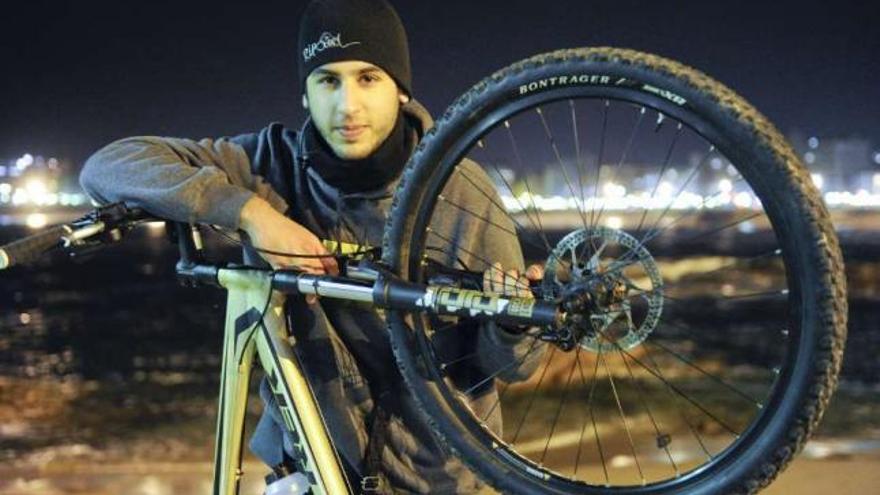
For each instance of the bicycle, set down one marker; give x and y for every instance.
(728, 350)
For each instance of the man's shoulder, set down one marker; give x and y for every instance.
(274, 138)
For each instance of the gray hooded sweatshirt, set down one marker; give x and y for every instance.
(340, 342)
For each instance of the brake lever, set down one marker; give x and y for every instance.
(100, 227)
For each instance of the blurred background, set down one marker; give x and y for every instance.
(109, 370)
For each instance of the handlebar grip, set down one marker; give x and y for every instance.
(30, 248)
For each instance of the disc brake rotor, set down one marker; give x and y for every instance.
(617, 275)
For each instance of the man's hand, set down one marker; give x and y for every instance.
(269, 229)
(511, 282)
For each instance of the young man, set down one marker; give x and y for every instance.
(333, 180)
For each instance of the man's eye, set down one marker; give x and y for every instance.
(369, 78)
(327, 80)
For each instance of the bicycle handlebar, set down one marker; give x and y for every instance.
(103, 225)
(30, 248)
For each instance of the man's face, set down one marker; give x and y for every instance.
(354, 106)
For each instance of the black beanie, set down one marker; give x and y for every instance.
(365, 30)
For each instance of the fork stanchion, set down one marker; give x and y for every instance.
(446, 300)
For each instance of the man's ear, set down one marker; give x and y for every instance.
(305, 101)
(404, 98)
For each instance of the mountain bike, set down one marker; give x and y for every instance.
(692, 315)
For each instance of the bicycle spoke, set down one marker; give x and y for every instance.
(498, 400)
(488, 263)
(598, 174)
(734, 264)
(629, 438)
(627, 258)
(561, 404)
(673, 387)
(488, 196)
(502, 369)
(443, 366)
(722, 227)
(780, 292)
(525, 182)
(691, 174)
(636, 291)
(623, 156)
(661, 443)
(506, 386)
(561, 164)
(577, 158)
(677, 401)
(698, 209)
(471, 213)
(599, 160)
(711, 376)
(652, 234)
(582, 172)
(662, 172)
(593, 383)
(532, 400)
(457, 360)
(537, 230)
(690, 334)
(494, 224)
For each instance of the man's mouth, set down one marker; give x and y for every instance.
(350, 132)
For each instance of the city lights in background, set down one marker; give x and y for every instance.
(24, 162)
(724, 198)
(36, 220)
(31, 182)
(842, 169)
(35, 186)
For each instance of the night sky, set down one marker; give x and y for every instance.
(76, 75)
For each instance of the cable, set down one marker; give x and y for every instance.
(238, 242)
(262, 320)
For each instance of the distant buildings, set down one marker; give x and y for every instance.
(844, 163)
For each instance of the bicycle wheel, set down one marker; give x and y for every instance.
(697, 266)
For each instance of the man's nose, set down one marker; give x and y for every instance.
(349, 102)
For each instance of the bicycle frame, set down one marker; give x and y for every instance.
(255, 324)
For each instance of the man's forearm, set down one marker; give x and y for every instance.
(206, 181)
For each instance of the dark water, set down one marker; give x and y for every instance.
(108, 359)
(110, 315)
